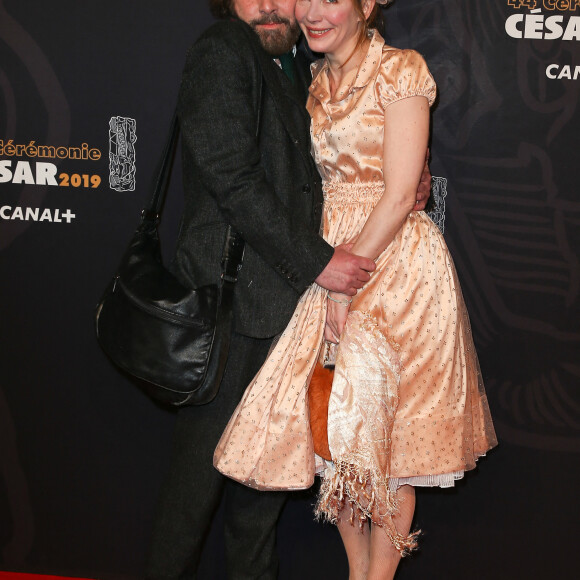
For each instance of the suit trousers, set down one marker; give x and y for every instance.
(194, 488)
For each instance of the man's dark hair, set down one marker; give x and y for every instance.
(221, 8)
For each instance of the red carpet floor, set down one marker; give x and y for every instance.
(16, 576)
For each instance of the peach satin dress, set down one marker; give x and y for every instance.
(407, 403)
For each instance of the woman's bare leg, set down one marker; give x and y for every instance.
(356, 542)
(384, 557)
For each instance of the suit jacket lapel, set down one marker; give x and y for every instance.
(304, 77)
(286, 97)
(291, 105)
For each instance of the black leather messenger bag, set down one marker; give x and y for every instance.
(175, 339)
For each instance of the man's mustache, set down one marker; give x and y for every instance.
(272, 19)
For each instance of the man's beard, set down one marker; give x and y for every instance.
(276, 42)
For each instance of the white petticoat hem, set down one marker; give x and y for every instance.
(442, 480)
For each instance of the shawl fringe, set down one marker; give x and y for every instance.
(366, 494)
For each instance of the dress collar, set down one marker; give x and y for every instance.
(320, 86)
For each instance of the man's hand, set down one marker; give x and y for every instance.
(424, 190)
(346, 272)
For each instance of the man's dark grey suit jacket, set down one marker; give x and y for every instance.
(268, 188)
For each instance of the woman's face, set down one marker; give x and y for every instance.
(330, 26)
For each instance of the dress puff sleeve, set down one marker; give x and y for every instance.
(402, 74)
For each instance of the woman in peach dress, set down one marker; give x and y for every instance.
(407, 407)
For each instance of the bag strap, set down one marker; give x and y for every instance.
(152, 211)
(233, 253)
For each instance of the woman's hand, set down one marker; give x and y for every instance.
(336, 313)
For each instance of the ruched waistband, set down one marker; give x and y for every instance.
(357, 192)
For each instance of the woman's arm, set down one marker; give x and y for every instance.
(405, 140)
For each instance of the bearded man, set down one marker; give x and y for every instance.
(247, 163)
